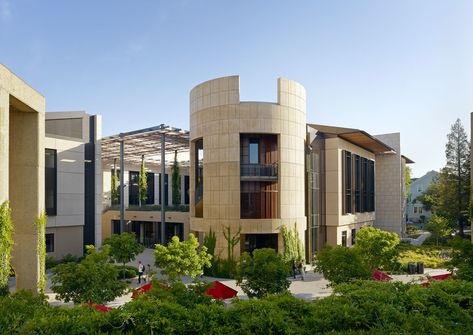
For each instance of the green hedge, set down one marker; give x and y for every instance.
(359, 307)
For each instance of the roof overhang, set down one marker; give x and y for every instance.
(355, 136)
(146, 143)
(407, 159)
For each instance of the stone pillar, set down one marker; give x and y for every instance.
(26, 192)
(4, 131)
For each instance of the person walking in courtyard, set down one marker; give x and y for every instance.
(301, 270)
(141, 270)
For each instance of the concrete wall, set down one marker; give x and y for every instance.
(336, 222)
(218, 117)
(389, 195)
(70, 197)
(22, 170)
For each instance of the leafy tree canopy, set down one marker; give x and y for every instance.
(93, 279)
(182, 258)
(123, 247)
(376, 247)
(264, 273)
(341, 265)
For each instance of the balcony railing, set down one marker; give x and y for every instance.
(259, 171)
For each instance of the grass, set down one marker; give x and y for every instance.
(431, 256)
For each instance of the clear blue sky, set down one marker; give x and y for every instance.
(382, 66)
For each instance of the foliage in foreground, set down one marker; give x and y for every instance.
(93, 279)
(360, 307)
(431, 256)
(341, 265)
(462, 259)
(264, 273)
(6, 244)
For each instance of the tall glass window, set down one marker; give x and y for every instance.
(50, 188)
(133, 188)
(150, 188)
(254, 151)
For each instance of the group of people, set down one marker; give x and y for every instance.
(143, 272)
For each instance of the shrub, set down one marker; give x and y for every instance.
(50, 262)
(127, 271)
(222, 268)
(377, 248)
(93, 279)
(439, 227)
(341, 265)
(182, 258)
(432, 257)
(462, 259)
(264, 273)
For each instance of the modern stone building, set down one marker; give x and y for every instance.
(73, 182)
(22, 170)
(256, 167)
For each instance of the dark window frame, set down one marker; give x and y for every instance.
(51, 211)
(49, 237)
(344, 238)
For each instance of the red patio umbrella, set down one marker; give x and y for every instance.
(221, 291)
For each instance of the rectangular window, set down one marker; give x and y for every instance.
(50, 178)
(353, 235)
(150, 188)
(166, 190)
(357, 183)
(347, 181)
(258, 200)
(116, 227)
(186, 189)
(371, 185)
(344, 238)
(49, 242)
(133, 188)
(254, 151)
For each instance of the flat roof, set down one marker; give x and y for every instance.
(408, 160)
(147, 142)
(357, 137)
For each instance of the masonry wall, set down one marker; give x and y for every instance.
(336, 222)
(22, 170)
(218, 117)
(389, 186)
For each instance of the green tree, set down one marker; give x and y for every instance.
(6, 244)
(264, 273)
(439, 227)
(93, 279)
(407, 180)
(182, 258)
(41, 250)
(115, 182)
(451, 191)
(176, 181)
(376, 247)
(142, 183)
(462, 259)
(293, 250)
(123, 248)
(341, 264)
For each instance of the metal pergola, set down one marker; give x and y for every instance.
(153, 144)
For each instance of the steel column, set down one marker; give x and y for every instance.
(163, 197)
(122, 185)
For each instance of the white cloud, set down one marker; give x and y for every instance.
(5, 12)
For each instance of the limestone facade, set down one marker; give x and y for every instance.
(219, 118)
(22, 112)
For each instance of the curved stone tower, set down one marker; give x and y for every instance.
(247, 164)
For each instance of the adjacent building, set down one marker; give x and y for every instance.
(256, 167)
(73, 187)
(415, 211)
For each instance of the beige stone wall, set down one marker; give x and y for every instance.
(218, 117)
(22, 170)
(389, 185)
(67, 240)
(335, 221)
